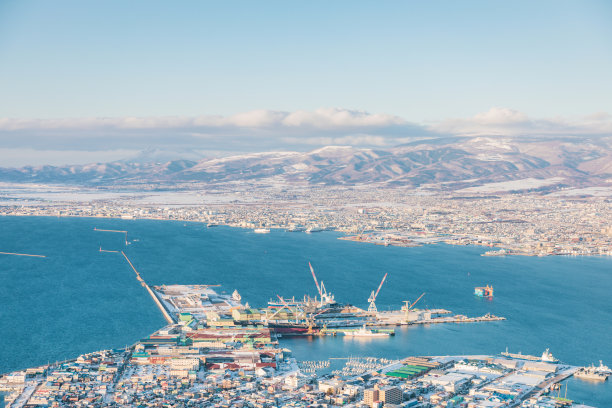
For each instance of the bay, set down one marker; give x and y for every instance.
(78, 300)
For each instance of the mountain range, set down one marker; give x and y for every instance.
(445, 163)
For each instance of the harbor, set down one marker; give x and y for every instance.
(204, 352)
(161, 257)
(323, 315)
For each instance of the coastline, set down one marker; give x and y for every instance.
(407, 242)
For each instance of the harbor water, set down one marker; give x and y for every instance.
(78, 299)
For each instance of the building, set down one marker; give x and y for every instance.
(390, 395)
(370, 396)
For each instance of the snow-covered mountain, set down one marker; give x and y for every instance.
(448, 163)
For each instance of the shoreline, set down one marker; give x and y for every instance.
(405, 242)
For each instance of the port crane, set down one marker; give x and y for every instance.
(326, 298)
(373, 295)
(406, 308)
(297, 312)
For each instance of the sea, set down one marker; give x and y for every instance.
(78, 300)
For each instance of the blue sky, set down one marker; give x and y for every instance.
(423, 63)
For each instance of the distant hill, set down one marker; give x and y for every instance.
(448, 164)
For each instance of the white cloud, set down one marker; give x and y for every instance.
(326, 118)
(263, 130)
(255, 130)
(509, 122)
(501, 116)
(334, 118)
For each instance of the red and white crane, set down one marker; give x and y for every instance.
(373, 295)
(315, 279)
(408, 307)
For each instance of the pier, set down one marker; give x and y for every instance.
(119, 231)
(144, 284)
(18, 254)
(161, 307)
(401, 321)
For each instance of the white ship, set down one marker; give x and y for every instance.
(592, 373)
(261, 230)
(364, 332)
(547, 357)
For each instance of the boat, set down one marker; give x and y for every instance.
(364, 332)
(591, 373)
(313, 229)
(261, 230)
(292, 329)
(484, 291)
(546, 357)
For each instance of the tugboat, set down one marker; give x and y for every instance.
(484, 291)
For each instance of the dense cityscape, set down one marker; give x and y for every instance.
(522, 224)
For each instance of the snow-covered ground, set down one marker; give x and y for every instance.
(523, 184)
(605, 191)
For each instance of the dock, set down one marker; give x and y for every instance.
(119, 231)
(436, 320)
(18, 254)
(161, 307)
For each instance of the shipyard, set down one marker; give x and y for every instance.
(320, 315)
(217, 351)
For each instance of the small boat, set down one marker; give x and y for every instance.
(261, 230)
(484, 291)
(364, 332)
(314, 229)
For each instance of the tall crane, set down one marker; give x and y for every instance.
(326, 298)
(315, 279)
(373, 295)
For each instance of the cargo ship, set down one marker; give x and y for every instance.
(546, 357)
(484, 291)
(293, 329)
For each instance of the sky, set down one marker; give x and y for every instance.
(95, 80)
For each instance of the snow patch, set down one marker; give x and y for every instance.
(523, 184)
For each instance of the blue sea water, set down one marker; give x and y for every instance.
(78, 300)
